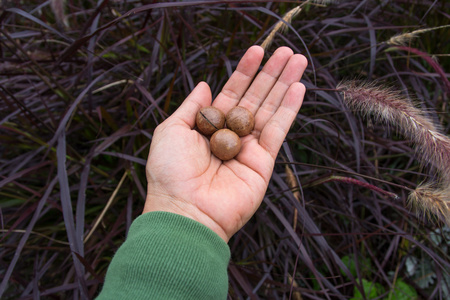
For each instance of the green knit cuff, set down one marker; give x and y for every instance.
(168, 256)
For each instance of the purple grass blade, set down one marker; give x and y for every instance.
(67, 287)
(154, 103)
(128, 157)
(35, 283)
(81, 205)
(36, 20)
(129, 211)
(432, 63)
(19, 174)
(111, 139)
(74, 105)
(373, 46)
(66, 204)
(25, 237)
(242, 281)
(141, 189)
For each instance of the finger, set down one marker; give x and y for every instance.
(266, 79)
(276, 129)
(198, 98)
(292, 72)
(240, 80)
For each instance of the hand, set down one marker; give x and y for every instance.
(185, 178)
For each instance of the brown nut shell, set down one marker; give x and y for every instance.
(209, 119)
(240, 120)
(225, 144)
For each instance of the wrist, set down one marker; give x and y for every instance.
(161, 202)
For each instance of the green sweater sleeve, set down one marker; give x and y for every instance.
(168, 256)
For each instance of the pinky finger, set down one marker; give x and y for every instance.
(276, 129)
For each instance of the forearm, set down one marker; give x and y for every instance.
(168, 256)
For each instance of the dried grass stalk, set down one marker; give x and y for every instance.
(281, 26)
(321, 2)
(292, 182)
(296, 295)
(405, 38)
(58, 7)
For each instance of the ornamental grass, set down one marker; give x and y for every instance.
(358, 203)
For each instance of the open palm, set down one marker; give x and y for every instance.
(185, 178)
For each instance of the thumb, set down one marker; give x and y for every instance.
(198, 98)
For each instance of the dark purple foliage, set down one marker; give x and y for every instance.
(81, 91)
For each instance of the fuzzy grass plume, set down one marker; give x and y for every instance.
(390, 106)
(281, 26)
(403, 39)
(432, 200)
(432, 147)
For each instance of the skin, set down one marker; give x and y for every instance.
(185, 178)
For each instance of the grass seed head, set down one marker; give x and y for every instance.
(405, 38)
(281, 26)
(432, 200)
(390, 106)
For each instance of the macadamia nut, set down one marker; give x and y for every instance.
(209, 119)
(240, 120)
(225, 144)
